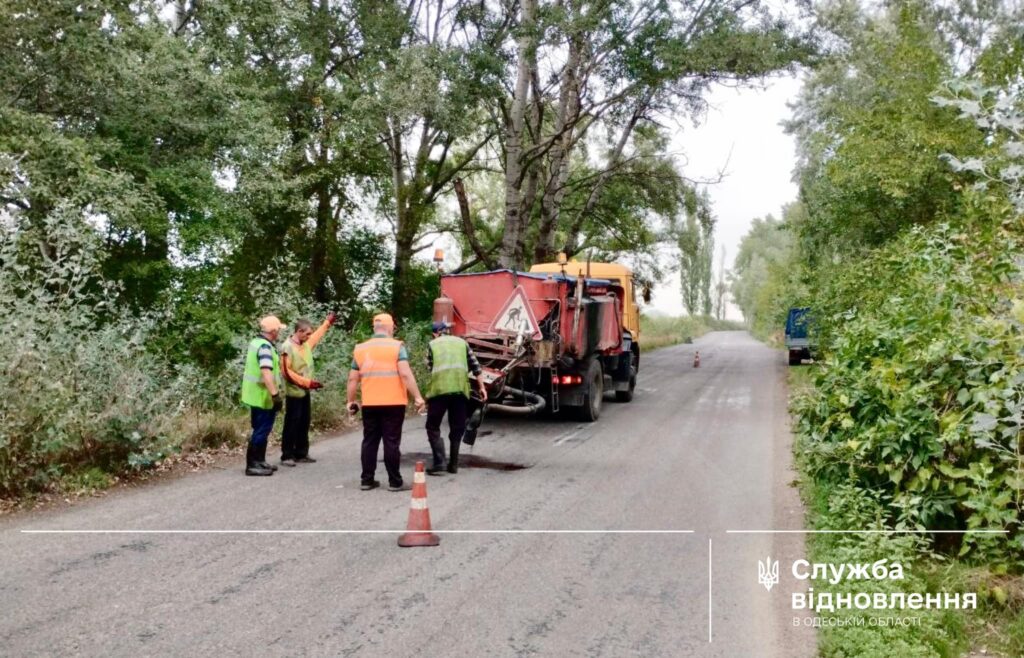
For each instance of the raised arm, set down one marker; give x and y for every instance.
(317, 335)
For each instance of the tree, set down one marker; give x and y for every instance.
(112, 114)
(721, 289)
(618, 66)
(429, 68)
(766, 274)
(695, 239)
(868, 136)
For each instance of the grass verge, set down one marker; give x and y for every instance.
(995, 628)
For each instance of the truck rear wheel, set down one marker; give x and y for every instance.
(634, 367)
(593, 380)
(795, 357)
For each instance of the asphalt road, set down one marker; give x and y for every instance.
(702, 449)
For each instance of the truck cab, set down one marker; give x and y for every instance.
(617, 274)
(799, 334)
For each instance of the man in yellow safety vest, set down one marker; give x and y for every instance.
(381, 373)
(261, 392)
(297, 368)
(450, 361)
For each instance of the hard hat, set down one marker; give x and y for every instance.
(384, 319)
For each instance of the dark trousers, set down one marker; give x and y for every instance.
(382, 424)
(295, 437)
(262, 423)
(455, 405)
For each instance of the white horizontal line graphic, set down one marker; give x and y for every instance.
(351, 532)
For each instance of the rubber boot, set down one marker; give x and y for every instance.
(252, 463)
(453, 458)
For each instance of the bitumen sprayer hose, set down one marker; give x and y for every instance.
(534, 403)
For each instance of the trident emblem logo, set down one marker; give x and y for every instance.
(768, 573)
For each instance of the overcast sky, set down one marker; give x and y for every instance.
(740, 134)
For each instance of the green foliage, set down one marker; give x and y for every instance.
(920, 394)
(83, 388)
(868, 136)
(838, 506)
(766, 275)
(695, 240)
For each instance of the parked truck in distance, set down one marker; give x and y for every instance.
(552, 339)
(799, 335)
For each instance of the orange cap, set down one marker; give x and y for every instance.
(384, 319)
(271, 323)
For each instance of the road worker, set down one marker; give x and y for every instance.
(261, 392)
(450, 360)
(381, 372)
(297, 368)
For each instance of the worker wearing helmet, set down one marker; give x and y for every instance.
(381, 373)
(261, 392)
(450, 361)
(297, 368)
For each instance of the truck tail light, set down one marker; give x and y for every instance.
(566, 380)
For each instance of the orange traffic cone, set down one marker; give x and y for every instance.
(419, 533)
(696, 359)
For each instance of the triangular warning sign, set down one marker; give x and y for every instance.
(516, 316)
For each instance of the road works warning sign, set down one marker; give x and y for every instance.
(516, 316)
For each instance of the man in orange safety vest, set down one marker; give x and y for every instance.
(381, 372)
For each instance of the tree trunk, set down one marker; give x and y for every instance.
(404, 237)
(514, 138)
(558, 157)
(560, 154)
(401, 293)
(482, 255)
(324, 235)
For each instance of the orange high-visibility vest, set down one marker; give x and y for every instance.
(381, 385)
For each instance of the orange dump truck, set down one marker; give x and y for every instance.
(552, 339)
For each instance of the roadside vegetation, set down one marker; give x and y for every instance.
(172, 171)
(662, 331)
(907, 243)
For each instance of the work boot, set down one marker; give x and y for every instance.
(268, 465)
(257, 469)
(401, 486)
(366, 485)
(435, 470)
(288, 462)
(305, 460)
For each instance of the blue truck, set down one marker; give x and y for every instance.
(799, 335)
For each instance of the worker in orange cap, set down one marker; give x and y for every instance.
(261, 392)
(297, 368)
(381, 373)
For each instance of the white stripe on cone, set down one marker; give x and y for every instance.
(419, 478)
(418, 503)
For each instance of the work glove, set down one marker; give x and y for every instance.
(278, 401)
(353, 408)
(332, 318)
(315, 385)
